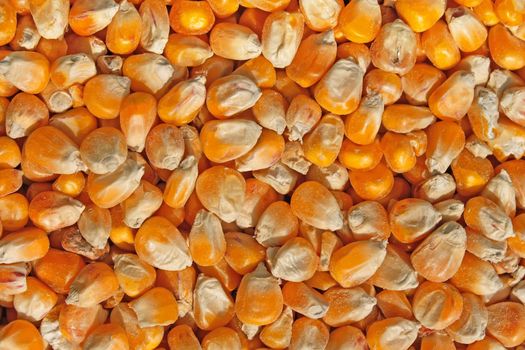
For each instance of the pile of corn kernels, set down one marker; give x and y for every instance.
(262, 174)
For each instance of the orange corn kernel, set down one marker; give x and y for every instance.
(503, 323)
(152, 73)
(510, 12)
(154, 37)
(10, 181)
(403, 118)
(506, 128)
(26, 36)
(461, 21)
(359, 52)
(213, 68)
(394, 304)
(113, 336)
(181, 183)
(93, 284)
(137, 115)
(497, 225)
(88, 17)
(224, 8)
(445, 142)
(368, 219)
(334, 95)
(58, 269)
(308, 332)
(35, 66)
(483, 113)
(266, 5)
(360, 21)
(301, 116)
(243, 253)
(506, 50)
(350, 269)
(363, 124)
(381, 334)
(51, 210)
(103, 150)
(187, 50)
(437, 341)
(445, 295)
(156, 307)
(8, 22)
(221, 191)
(253, 18)
(182, 103)
(302, 206)
(24, 114)
(259, 299)
(304, 300)
(270, 110)
(317, 148)
(124, 32)
(231, 95)
(24, 245)
(372, 184)
(265, 153)
(471, 324)
(220, 139)
(440, 47)
(453, 98)
(388, 85)
(404, 215)
(234, 41)
(182, 337)
(313, 59)
(191, 17)
(165, 146)
(76, 123)
(37, 292)
(398, 152)
(222, 338)
(279, 333)
(486, 12)
(321, 17)
(346, 305)
(281, 36)
(471, 173)
(446, 244)
(394, 49)
(104, 94)
(14, 211)
(420, 82)
(22, 334)
(420, 15)
(10, 155)
(283, 267)
(360, 157)
(159, 250)
(476, 276)
(206, 239)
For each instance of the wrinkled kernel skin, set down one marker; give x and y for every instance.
(262, 174)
